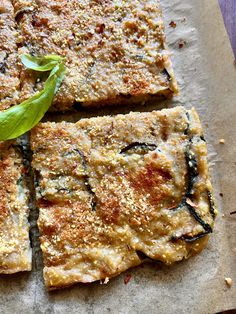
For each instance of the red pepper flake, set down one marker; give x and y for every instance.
(37, 21)
(101, 43)
(127, 279)
(173, 24)
(182, 43)
(25, 170)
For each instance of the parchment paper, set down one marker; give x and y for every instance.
(207, 77)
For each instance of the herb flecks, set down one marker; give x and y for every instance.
(136, 146)
(21, 118)
(86, 179)
(187, 203)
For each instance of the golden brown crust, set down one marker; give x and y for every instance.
(15, 252)
(111, 187)
(115, 50)
(9, 71)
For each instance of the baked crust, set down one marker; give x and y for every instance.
(9, 71)
(115, 50)
(109, 188)
(15, 251)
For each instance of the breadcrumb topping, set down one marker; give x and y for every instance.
(110, 188)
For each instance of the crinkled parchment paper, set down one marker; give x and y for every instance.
(207, 78)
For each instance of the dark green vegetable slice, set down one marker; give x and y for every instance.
(144, 147)
(190, 239)
(21, 118)
(166, 73)
(3, 64)
(212, 204)
(86, 178)
(192, 171)
(198, 218)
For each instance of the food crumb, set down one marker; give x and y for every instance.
(229, 281)
(233, 213)
(173, 24)
(189, 202)
(222, 141)
(221, 194)
(106, 280)
(182, 43)
(127, 279)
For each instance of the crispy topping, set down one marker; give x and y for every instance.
(111, 50)
(150, 180)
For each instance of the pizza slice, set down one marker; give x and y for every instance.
(112, 190)
(115, 51)
(9, 70)
(15, 250)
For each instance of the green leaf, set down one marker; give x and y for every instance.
(19, 119)
(42, 64)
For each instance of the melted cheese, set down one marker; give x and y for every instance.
(115, 50)
(15, 251)
(110, 189)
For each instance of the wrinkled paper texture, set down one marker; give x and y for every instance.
(207, 78)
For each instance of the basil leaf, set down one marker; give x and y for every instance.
(41, 64)
(19, 119)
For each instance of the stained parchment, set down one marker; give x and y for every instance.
(203, 63)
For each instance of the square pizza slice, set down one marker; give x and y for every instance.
(15, 250)
(115, 51)
(9, 70)
(114, 189)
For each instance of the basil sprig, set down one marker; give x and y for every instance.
(21, 118)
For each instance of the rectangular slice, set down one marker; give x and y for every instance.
(9, 71)
(115, 50)
(15, 251)
(114, 189)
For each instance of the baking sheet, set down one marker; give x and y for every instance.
(207, 79)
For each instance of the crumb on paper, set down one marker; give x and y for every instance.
(221, 194)
(173, 24)
(106, 280)
(222, 141)
(127, 279)
(182, 43)
(233, 213)
(229, 281)
(183, 19)
(223, 215)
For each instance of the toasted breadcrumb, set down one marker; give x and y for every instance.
(229, 281)
(115, 50)
(112, 190)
